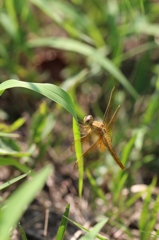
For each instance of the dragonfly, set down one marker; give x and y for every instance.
(98, 135)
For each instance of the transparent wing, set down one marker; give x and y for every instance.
(107, 112)
(112, 120)
(91, 149)
(112, 152)
(85, 141)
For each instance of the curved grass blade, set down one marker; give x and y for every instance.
(50, 91)
(8, 183)
(19, 201)
(12, 153)
(148, 218)
(81, 48)
(22, 232)
(12, 162)
(95, 230)
(95, 187)
(63, 224)
(127, 150)
(78, 150)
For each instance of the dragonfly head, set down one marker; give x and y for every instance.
(88, 119)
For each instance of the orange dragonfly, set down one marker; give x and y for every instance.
(97, 135)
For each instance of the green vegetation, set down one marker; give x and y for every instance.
(59, 60)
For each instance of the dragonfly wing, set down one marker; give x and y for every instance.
(112, 120)
(91, 149)
(107, 112)
(112, 152)
(85, 141)
(108, 123)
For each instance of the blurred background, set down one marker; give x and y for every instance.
(86, 48)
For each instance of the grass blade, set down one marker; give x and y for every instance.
(12, 162)
(78, 150)
(50, 91)
(145, 216)
(95, 230)
(22, 232)
(8, 183)
(63, 224)
(95, 187)
(127, 150)
(81, 48)
(19, 201)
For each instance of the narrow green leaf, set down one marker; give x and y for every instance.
(95, 230)
(67, 16)
(12, 13)
(9, 135)
(8, 183)
(12, 153)
(74, 81)
(63, 224)
(122, 176)
(19, 201)
(8, 25)
(154, 214)
(78, 150)
(127, 150)
(95, 187)
(81, 48)
(22, 232)
(145, 216)
(50, 91)
(12, 162)
(133, 199)
(16, 125)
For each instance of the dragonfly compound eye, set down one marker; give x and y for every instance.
(88, 119)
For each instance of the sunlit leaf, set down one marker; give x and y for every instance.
(81, 48)
(63, 224)
(78, 150)
(17, 203)
(50, 91)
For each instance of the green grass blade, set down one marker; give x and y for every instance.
(22, 232)
(16, 125)
(63, 224)
(73, 82)
(127, 150)
(142, 6)
(50, 91)
(7, 25)
(9, 135)
(12, 13)
(78, 150)
(145, 216)
(154, 214)
(66, 16)
(81, 48)
(19, 201)
(95, 187)
(122, 176)
(134, 199)
(12, 162)
(8, 183)
(95, 230)
(13, 153)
